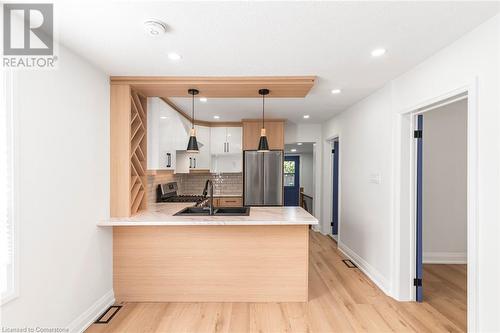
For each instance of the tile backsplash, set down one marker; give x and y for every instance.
(224, 184)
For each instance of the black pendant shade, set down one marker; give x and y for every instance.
(193, 143)
(263, 144)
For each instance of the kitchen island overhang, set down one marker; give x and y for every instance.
(263, 257)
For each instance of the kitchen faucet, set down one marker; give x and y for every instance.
(205, 192)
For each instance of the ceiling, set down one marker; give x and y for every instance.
(331, 40)
(305, 148)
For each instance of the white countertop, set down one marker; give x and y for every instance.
(163, 214)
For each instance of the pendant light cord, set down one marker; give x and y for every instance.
(263, 96)
(192, 112)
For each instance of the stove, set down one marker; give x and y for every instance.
(168, 193)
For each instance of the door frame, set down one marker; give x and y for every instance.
(404, 252)
(336, 156)
(295, 158)
(329, 185)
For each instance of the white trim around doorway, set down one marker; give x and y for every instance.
(404, 198)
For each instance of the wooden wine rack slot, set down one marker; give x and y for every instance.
(128, 151)
(137, 148)
(138, 202)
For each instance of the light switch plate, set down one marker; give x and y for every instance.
(374, 178)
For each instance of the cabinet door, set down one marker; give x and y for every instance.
(234, 140)
(217, 140)
(153, 124)
(167, 132)
(275, 131)
(161, 124)
(182, 162)
(203, 156)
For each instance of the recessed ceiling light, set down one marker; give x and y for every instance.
(174, 56)
(293, 150)
(155, 27)
(163, 117)
(306, 116)
(378, 52)
(216, 117)
(336, 91)
(299, 143)
(203, 99)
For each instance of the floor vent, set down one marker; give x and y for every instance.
(349, 263)
(108, 314)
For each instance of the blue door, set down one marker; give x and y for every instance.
(335, 194)
(419, 269)
(291, 168)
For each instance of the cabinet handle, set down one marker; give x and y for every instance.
(169, 160)
(225, 146)
(228, 147)
(190, 162)
(194, 162)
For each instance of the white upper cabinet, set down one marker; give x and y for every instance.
(226, 149)
(226, 140)
(217, 140)
(234, 140)
(168, 132)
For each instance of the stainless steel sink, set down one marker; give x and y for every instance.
(221, 211)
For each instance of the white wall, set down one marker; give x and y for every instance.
(62, 143)
(373, 219)
(306, 172)
(365, 144)
(302, 132)
(445, 184)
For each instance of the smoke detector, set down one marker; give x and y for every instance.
(155, 27)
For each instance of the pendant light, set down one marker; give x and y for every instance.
(263, 144)
(193, 143)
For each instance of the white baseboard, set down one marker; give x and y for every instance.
(86, 319)
(366, 268)
(445, 257)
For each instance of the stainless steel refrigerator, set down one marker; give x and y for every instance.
(263, 178)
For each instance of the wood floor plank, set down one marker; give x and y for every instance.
(341, 299)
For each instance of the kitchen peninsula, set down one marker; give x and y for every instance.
(262, 257)
(159, 256)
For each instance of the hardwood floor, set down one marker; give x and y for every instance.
(446, 290)
(341, 299)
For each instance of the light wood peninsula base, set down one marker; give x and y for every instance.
(211, 263)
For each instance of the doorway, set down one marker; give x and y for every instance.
(291, 175)
(441, 208)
